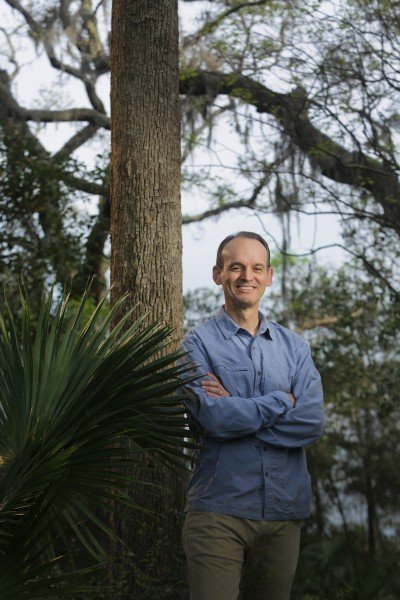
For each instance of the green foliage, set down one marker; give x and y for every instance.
(40, 231)
(331, 569)
(352, 324)
(201, 304)
(71, 395)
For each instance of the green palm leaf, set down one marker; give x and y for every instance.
(70, 396)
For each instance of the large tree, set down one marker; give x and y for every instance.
(146, 247)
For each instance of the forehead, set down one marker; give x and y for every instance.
(245, 250)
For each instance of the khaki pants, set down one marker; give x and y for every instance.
(227, 556)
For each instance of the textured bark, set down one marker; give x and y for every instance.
(145, 146)
(146, 243)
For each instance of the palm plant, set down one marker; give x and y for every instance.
(70, 396)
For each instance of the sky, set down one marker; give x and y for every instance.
(200, 240)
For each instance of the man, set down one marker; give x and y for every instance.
(257, 404)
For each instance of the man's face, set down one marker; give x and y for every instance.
(245, 274)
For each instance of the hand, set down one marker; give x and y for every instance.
(292, 398)
(213, 387)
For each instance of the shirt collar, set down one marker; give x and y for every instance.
(229, 327)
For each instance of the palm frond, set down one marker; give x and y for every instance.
(70, 396)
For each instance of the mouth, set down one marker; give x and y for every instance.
(245, 288)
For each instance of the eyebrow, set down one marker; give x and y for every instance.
(239, 264)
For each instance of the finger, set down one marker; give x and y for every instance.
(212, 391)
(213, 388)
(210, 384)
(213, 377)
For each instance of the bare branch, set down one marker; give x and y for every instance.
(64, 13)
(100, 60)
(11, 55)
(213, 212)
(211, 26)
(95, 48)
(14, 110)
(326, 321)
(79, 183)
(76, 141)
(65, 116)
(34, 25)
(333, 160)
(94, 98)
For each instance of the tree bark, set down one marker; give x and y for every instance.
(147, 247)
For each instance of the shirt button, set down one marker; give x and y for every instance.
(259, 372)
(266, 473)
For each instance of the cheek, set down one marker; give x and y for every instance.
(230, 281)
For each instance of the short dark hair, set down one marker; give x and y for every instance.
(245, 234)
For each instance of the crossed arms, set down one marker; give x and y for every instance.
(274, 418)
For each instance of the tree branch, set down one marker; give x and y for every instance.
(14, 110)
(50, 216)
(67, 115)
(326, 321)
(65, 15)
(33, 25)
(333, 160)
(76, 141)
(212, 212)
(93, 265)
(79, 183)
(100, 61)
(211, 26)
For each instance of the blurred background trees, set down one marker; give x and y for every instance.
(298, 100)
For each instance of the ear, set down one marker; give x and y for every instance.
(216, 273)
(270, 276)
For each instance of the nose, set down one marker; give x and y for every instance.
(246, 273)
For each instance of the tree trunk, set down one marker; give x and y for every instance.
(147, 247)
(367, 439)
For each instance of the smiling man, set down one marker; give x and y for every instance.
(256, 404)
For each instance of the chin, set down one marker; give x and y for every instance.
(245, 302)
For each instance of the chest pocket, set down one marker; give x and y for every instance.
(273, 384)
(237, 378)
(277, 377)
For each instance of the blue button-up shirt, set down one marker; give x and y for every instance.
(251, 461)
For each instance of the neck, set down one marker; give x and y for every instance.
(247, 318)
